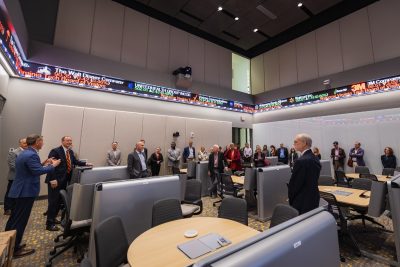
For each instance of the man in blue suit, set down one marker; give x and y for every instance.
(303, 185)
(25, 189)
(189, 152)
(59, 179)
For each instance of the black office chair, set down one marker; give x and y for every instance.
(326, 180)
(74, 232)
(229, 187)
(341, 220)
(166, 210)
(363, 184)
(282, 213)
(388, 171)
(397, 169)
(234, 209)
(361, 169)
(369, 176)
(341, 179)
(111, 243)
(192, 203)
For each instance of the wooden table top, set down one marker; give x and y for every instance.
(352, 200)
(183, 170)
(158, 245)
(238, 179)
(381, 178)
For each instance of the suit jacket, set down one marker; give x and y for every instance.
(186, 153)
(60, 172)
(388, 162)
(285, 153)
(174, 156)
(359, 156)
(12, 156)
(342, 155)
(259, 162)
(114, 160)
(303, 185)
(221, 160)
(27, 177)
(235, 157)
(153, 160)
(134, 165)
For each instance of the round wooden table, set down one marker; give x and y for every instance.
(158, 245)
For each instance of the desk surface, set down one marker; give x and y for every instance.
(183, 170)
(237, 179)
(158, 246)
(381, 178)
(352, 200)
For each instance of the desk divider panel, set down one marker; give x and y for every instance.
(377, 201)
(272, 189)
(326, 167)
(202, 176)
(132, 200)
(394, 199)
(191, 169)
(272, 160)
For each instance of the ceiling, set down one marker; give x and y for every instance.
(277, 21)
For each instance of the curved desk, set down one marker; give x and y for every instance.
(158, 246)
(353, 199)
(381, 178)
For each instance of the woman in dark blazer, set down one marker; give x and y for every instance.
(293, 156)
(259, 158)
(388, 159)
(155, 161)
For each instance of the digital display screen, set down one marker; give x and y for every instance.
(60, 75)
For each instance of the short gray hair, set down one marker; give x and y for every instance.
(306, 138)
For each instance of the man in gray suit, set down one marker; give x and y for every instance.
(9, 203)
(114, 155)
(174, 158)
(137, 166)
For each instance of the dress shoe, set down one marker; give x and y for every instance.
(22, 245)
(57, 221)
(7, 212)
(22, 252)
(52, 228)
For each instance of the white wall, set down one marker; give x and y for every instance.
(361, 38)
(110, 30)
(374, 129)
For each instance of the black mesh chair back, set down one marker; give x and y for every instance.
(369, 176)
(66, 210)
(333, 206)
(234, 209)
(388, 171)
(361, 169)
(282, 213)
(166, 210)
(341, 179)
(228, 187)
(111, 243)
(326, 180)
(362, 184)
(397, 169)
(193, 194)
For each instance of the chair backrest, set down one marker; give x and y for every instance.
(333, 206)
(282, 213)
(191, 169)
(397, 169)
(388, 171)
(361, 169)
(325, 180)
(377, 202)
(111, 243)
(228, 187)
(362, 184)
(193, 190)
(369, 176)
(166, 210)
(340, 178)
(234, 209)
(65, 221)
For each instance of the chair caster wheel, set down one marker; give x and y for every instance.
(52, 252)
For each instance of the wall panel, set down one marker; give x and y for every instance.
(287, 64)
(128, 130)
(179, 49)
(196, 57)
(257, 74)
(225, 68)
(158, 46)
(135, 37)
(97, 135)
(307, 62)
(211, 68)
(107, 30)
(74, 25)
(271, 70)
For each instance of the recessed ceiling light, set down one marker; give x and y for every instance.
(300, 4)
(219, 8)
(236, 18)
(255, 30)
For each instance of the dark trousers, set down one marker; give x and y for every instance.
(155, 170)
(9, 202)
(19, 218)
(214, 183)
(54, 201)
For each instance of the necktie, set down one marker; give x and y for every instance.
(69, 167)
